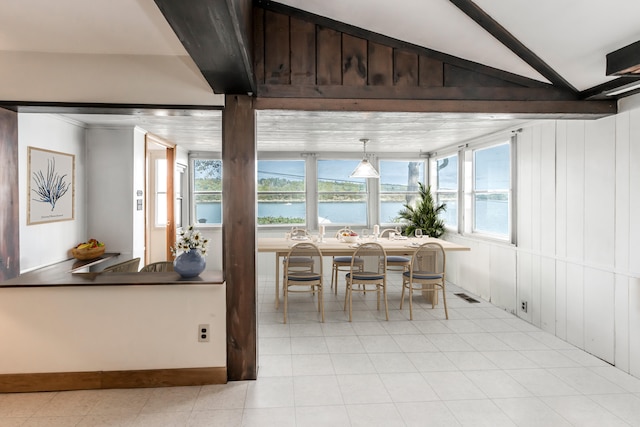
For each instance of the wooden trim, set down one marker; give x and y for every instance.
(100, 108)
(454, 108)
(239, 156)
(414, 93)
(217, 36)
(57, 381)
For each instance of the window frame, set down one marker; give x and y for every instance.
(366, 192)
(304, 191)
(470, 226)
(193, 193)
(381, 193)
(458, 191)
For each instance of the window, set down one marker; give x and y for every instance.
(341, 200)
(491, 188)
(398, 186)
(446, 187)
(207, 191)
(281, 192)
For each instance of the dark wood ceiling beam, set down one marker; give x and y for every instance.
(216, 34)
(451, 109)
(414, 92)
(600, 91)
(506, 38)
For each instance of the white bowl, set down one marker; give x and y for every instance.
(350, 239)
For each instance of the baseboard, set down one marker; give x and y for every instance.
(57, 381)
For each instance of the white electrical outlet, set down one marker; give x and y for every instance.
(524, 306)
(203, 333)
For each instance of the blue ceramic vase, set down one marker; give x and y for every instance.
(189, 264)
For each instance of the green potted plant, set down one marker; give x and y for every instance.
(424, 215)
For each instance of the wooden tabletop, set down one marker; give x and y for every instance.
(332, 246)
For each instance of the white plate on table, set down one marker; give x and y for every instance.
(299, 238)
(413, 245)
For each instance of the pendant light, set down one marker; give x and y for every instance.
(364, 169)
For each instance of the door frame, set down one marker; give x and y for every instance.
(170, 230)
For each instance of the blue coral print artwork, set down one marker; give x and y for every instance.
(51, 181)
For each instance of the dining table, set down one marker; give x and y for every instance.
(332, 246)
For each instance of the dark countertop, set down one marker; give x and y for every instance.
(59, 274)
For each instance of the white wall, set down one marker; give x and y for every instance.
(576, 260)
(115, 171)
(44, 244)
(76, 329)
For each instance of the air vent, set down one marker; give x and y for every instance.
(466, 297)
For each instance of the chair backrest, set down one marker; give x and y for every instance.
(429, 257)
(386, 231)
(157, 267)
(299, 232)
(300, 251)
(373, 254)
(130, 266)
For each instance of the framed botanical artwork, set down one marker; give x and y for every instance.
(51, 186)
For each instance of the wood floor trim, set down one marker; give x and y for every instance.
(58, 381)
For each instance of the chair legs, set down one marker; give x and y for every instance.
(434, 290)
(316, 289)
(380, 287)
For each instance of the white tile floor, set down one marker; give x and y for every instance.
(483, 366)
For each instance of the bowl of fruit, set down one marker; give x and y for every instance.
(88, 250)
(349, 237)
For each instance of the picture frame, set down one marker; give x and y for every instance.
(51, 186)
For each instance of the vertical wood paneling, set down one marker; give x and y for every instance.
(575, 305)
(405, 71)
(525, 195)
(277, 67)
(239, 235)
(354, 61)
(599, 197)
(548, 189)
(634, 193)
(599, 325)
(634, 326)
(303, 52)
(258, 44)
(561, 300)
(536, 194)
(561, 189)
(535, 301)
(380, 65)
(623, 188)
(329, 57)
(431, 72)
(575, 190)
(524, 283)
(547, 308)
(9, 207)
(621, 322)
(503, 277)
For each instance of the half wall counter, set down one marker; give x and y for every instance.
(91, 330)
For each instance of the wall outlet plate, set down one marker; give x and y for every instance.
(524, 306)
(204, 333)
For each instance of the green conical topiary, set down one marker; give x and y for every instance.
(424, 215)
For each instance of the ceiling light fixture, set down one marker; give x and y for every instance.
(364, 169)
